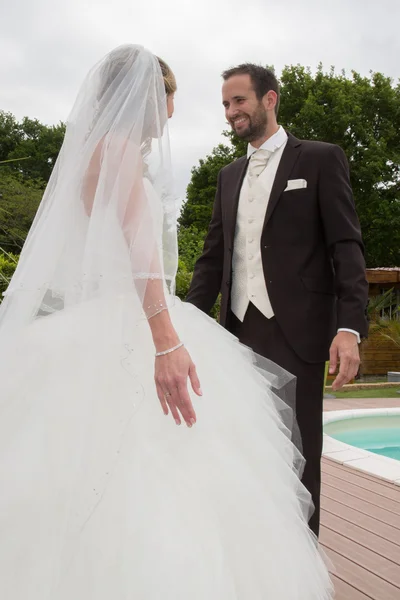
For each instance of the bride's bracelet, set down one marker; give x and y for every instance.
(164, 352)
(157, 313)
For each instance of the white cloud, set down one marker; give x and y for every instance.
(48, 46)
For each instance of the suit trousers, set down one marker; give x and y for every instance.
(265, 337)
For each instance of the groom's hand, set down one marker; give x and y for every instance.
(344, 349)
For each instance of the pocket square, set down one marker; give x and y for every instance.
(295, 184)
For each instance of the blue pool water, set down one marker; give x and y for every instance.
(380, 435)
(380, 441)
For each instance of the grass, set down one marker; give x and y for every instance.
(380, 393)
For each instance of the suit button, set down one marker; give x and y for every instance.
(251, 275)
(228, 283)
(250, 256)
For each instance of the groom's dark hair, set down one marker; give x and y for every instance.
(263, 79)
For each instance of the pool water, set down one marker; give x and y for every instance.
(378, 434)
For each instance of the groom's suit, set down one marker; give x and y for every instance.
(285, 250)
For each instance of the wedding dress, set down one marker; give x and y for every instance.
(102, 496)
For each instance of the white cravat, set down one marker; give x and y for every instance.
(258, 162)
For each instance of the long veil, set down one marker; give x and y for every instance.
(101, 256)
(113, 174)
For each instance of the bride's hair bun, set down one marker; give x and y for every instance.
(121, 59)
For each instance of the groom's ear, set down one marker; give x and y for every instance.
(270, 100)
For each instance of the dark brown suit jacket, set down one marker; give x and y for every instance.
(311, 247)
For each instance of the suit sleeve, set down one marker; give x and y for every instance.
(207, 276)
(343, 238)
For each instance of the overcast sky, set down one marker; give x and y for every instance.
(47, 47)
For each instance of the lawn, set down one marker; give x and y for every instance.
(377, 393)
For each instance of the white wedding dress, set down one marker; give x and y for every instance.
(103, 497)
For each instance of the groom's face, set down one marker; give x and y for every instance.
(245, 113)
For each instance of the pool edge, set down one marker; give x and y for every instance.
(361, 460)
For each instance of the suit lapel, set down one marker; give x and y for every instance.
(287, 162)
(234, 195)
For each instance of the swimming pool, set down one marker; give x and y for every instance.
(379, 434)
(367, 439)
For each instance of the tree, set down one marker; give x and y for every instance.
(10, 134)
(37, 144)
(362, 115)
(201, 189)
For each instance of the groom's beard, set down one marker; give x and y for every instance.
(257, 125)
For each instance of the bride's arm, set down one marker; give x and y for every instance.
(172, 368)
(134, 212)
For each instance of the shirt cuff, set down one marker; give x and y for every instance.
(351, 331)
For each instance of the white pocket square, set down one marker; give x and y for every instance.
(295, 184)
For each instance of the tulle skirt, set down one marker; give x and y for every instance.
(103, 497)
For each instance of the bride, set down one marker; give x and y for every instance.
(103, 497)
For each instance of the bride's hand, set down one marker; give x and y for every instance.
(171, 374)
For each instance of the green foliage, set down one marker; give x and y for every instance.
(30, 138)
(183, 279)
(19, 200)
(378, 304)
(362, 115)
(28, 151)
(387, 328)
(10, 134)
(201, 189)
(190, 241)
(190, 244)
(390, 330)
(8, 262)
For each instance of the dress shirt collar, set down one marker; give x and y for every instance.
(271, 144)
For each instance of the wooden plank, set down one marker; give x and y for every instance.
(351, 515)
(389, 491)
(378, 513)
(345, 591)
(371, 585)
(363, 537)
(359, 492)
(383, 482)
(361, 556)
(382, 276)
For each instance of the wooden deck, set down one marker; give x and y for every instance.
(360, 520)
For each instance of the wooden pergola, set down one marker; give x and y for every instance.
(384, 275)
(380, 355)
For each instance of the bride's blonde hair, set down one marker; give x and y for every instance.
(168, 76)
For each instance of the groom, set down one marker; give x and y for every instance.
(284, 247)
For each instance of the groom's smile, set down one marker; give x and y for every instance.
(239, 122)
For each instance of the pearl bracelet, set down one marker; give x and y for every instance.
(170, 350)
